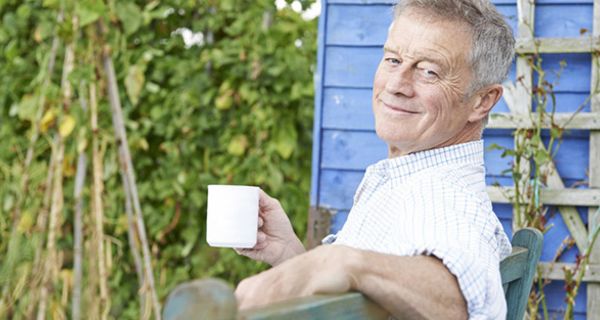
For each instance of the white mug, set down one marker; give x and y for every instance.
(232, 216)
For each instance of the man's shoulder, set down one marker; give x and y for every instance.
(463, 179)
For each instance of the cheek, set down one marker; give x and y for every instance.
(379, 80)
(448, 101)
(452, 91)
(439, 105)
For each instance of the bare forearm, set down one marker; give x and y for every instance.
(293, 248)
(418, 287)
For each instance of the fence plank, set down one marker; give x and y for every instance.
(506, 120)
(554, 271)
(565, 197)
(520, 96)
(557, 45)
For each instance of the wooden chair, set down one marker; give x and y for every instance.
(518, 270)
(214, 299)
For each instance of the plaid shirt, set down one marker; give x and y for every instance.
(434, 203)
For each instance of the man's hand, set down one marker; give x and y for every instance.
(276, 241)
(320, 270)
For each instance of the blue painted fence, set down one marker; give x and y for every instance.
(351, 35)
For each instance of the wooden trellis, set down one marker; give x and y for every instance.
(518, 99)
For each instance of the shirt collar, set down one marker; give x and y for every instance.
(404, 166)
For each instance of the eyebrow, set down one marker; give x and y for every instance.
(420, 56)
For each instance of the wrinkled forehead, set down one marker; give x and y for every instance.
(429, 38)
(453, 32)
(429, 17)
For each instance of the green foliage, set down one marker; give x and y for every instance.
(234, 109)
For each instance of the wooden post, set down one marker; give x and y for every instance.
(318, 226)
(521, 100)
(593, 289)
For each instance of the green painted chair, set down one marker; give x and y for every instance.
(518, 270)
(214, 299)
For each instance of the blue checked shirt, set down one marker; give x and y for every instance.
(434, 203)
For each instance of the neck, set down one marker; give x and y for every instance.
(471, 132)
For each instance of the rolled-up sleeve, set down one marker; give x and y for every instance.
(479, 282)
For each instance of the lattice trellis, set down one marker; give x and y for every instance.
(518, 99)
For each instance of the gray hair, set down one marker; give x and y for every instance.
(492, 49)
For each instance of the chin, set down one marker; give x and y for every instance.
(388, 132)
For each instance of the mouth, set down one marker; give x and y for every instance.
(397, 109)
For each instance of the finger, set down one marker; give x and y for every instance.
(261, 222)
(265, 201)
(241, 251)
(248, 252)
(261, 241)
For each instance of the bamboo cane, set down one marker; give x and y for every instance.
(133, 243)
(50, 272)
(52, 261)
(126, 166)
(78, 222)
(97, 206)
(38, 265)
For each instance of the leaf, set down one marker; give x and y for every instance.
(556, 132)
(227, 5)
(224, 101)
(237, 146)
(134, 82)
(508, 153)
(82, 145)
(47, 120)
(26, 222)
(495, 146)
(23, 12)
(66, 126)
(143, 144)
(130, 16)
(285, 140)
(541, 157)
(27, 108)
(89, 11)
(50, 4)
(275, 179)
(11, 51)
(8, 203)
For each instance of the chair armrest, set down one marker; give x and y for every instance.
(347, 306)
(214, 299)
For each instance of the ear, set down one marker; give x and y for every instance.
(486, 99)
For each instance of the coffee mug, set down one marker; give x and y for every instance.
(232, 216)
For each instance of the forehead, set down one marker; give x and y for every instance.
(419, 33)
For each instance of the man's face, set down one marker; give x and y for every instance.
(419, 88)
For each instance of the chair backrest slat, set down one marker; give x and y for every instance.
(512, 267)
(518, 272)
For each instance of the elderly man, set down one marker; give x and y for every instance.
(421, 239)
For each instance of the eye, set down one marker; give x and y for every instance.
(429, 73)
(392, 61)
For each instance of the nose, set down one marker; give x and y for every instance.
(400, 82)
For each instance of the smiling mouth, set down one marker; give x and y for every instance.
(397, 109)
